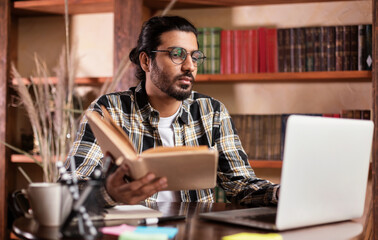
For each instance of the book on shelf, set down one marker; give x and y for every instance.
(310, 48)
(346, 48)
(238, 50)
(271, 50)
(249, 51)
(194, 167)
(364, 114)
(339, 48)
(317, 49)
(262, 49)
(292, 48)
(362, 47)
(330, 48)
(281, 49)
(200, 69)
(369, 47)
(227, 57)
(300, 50)
(353, 48)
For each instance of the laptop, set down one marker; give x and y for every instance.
(324, 175)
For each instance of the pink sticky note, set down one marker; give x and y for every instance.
(117, 230)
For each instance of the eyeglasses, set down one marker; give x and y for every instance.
(178, 55)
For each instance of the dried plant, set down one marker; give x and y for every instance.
(51, 112)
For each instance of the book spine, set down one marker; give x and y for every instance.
(215, 50)
(293, 39)
(281, 49)
(346, 48)
(331, 42)
(323, 48)
(317, 49)
(245, 53)
(207, 50)
(300, 55)
(237, 50)
(369, 47)
(253, 51)
(271, 50)
(339, 48)
(362, 47)
(262, 50)
(309, 33)
(353, 47)
(226, 52)
(201, 47)
(287, 59)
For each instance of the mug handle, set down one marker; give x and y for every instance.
(21, 203)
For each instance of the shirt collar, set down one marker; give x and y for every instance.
(146, 110)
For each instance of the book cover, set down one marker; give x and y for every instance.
(310, 48)
(353, 47)
(271, 50)
(214, 50)
(293, 40)
(300, 50)
(281, 49)
(317, 49)
(195, 167)
(237, 48)
(200, 69)
(339, 48)
(207, 50)
(362, 47)
(346, 45)
(331, 42)
(323, 48)
(287, 58)
(250, 51)
(227, 58)
(262, 49)
(369, 56)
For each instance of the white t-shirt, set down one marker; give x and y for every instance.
(167, 136)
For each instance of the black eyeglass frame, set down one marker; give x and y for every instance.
(197, 61)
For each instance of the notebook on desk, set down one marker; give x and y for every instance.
(324, 175)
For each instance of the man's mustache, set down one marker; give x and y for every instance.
(189, 74)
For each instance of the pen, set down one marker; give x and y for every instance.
(150, 221)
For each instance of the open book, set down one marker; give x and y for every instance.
(185, 167)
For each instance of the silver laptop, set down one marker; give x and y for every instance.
(324, 175)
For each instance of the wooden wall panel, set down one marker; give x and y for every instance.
(128, 17)
(375, 117)
(4, 73)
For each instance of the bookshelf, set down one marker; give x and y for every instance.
(124, 12)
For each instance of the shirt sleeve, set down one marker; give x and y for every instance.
(87, 154)
(235, 175)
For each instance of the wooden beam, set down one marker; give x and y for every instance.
(375, 118)
(4, 74)
(128, 17)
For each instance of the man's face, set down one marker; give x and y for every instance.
(172, 79)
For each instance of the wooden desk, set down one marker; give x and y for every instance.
(195, 228)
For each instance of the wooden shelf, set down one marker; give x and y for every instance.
(332, 76)
(19, 158)
(44, 7)
(96, 81)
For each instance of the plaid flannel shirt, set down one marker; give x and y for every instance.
(202, 120)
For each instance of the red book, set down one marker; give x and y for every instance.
(271, 50)
(262, 49)
(227, 58)
(238, 51)
(250, 51)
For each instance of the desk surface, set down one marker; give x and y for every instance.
(195, 228)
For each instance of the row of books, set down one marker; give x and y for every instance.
(263, 135)
(326, 48)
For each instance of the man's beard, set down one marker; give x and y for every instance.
(167, 85)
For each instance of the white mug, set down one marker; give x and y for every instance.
(51, 203)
